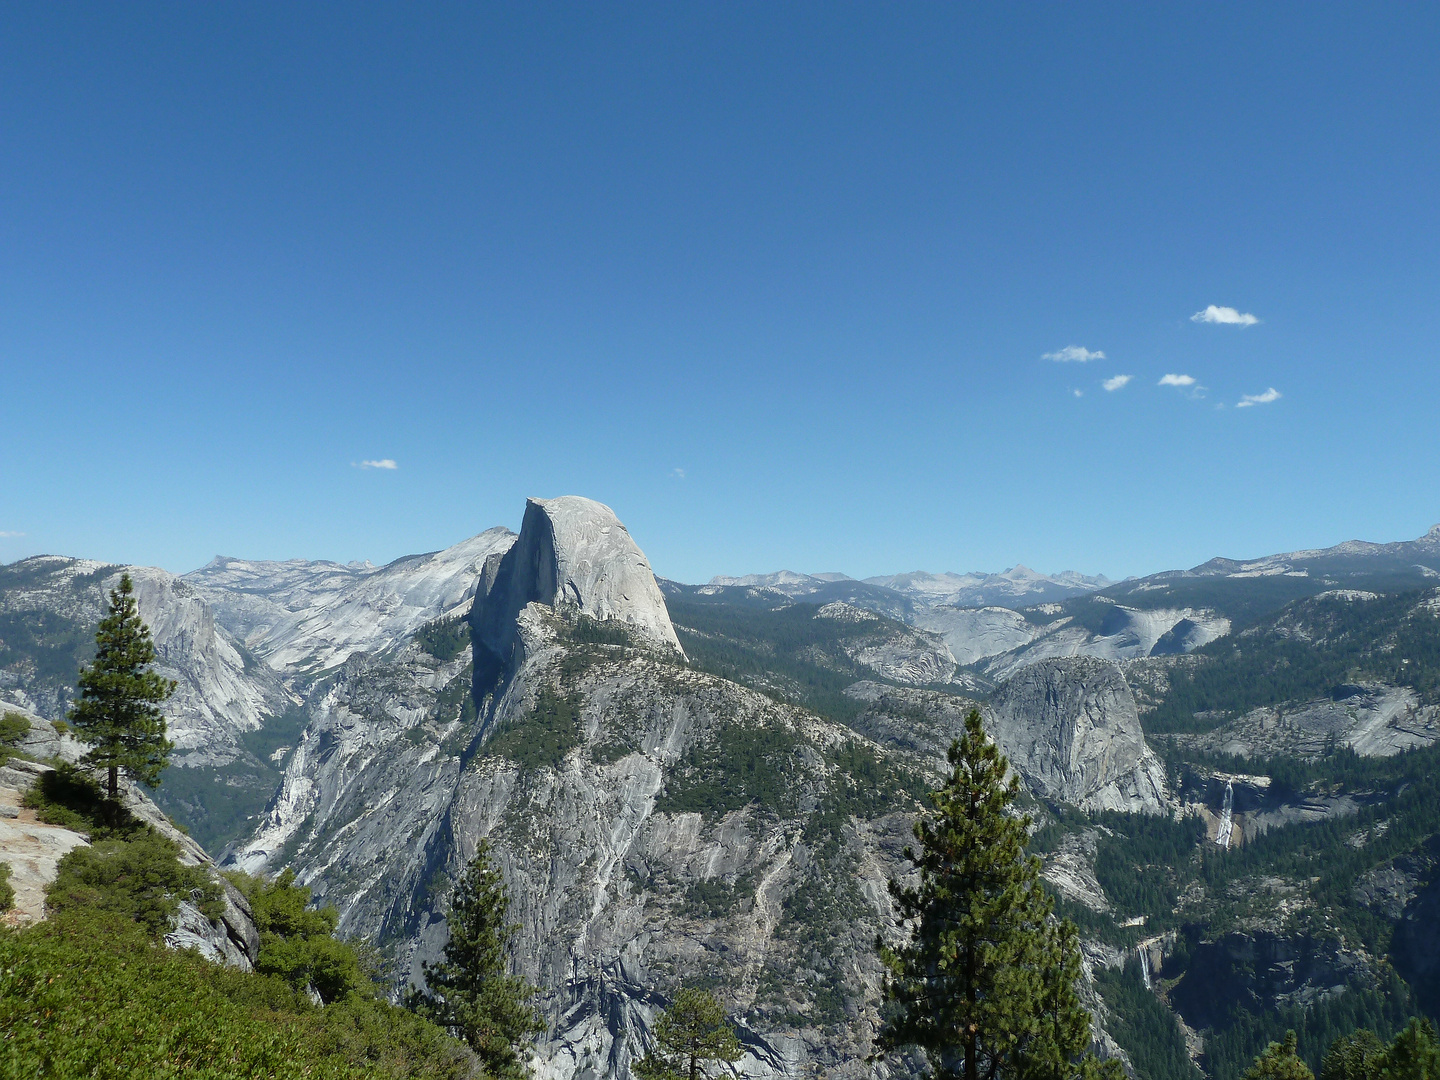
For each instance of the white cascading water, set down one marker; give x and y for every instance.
(1145, 966)
(1227, 823)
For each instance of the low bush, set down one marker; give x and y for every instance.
(141, 880)
(542, 736)
(297, 943)
(93, 996)
(92, 992)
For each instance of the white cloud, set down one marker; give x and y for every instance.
(6, 535)
(383, 463)
(1116, 382)
(1246, 400)
(1078, 393)
(1225, 316)
(1176, 380)
(677, 473)
(1076, 353)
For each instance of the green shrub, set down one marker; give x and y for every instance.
(13, 728)
(297, 943)
(141, 880)
(7, 891)
(542, 736)
(88, 993)
(445, 639)
(742, 764)
(586, 630)
(93, 997)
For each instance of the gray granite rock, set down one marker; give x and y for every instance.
(1070, 728)
(572, 553)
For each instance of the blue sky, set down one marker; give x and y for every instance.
(776, 282)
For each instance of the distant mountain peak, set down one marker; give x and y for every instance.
(1018, 586)
(778, 579)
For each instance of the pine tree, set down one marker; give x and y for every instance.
(470, 991)
(1279, 1061)
(689, 1035)
(1357, 1056)
(985, 983)
(1414, 1054)
(118, 713)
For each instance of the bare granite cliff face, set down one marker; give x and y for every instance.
(1070, 728)
(218, 694)
(906, 656)
(302, 617)
(572, 553)
(220, 691)
(654, 821)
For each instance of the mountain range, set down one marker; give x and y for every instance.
(719, 778)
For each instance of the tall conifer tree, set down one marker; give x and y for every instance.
(690, 1035)
(985, 983)
(471, 991)
(1279, 1061)
(118, 713)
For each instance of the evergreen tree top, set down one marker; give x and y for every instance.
(982, 979)
(118, 712)
(689, 1036)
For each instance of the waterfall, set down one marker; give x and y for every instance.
(1227, 824)
(1145, 966)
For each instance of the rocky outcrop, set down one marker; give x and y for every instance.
(923, 722)
(376, 765)
(33, 849)
(572, 553)
(1124, 633)
(650, 820)
(892, 651)
(1070, 868)
(1373, 719)
(218, 694)
(1017, 587)
(1070, 728)
(975, 634)
(610, 781)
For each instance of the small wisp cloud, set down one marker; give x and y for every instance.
(1073, 354)
(382, 463)
(6, 534)
(1176, 380)
(1115, 382)
(1247, 400)
(677, 473)
(1224, 316)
